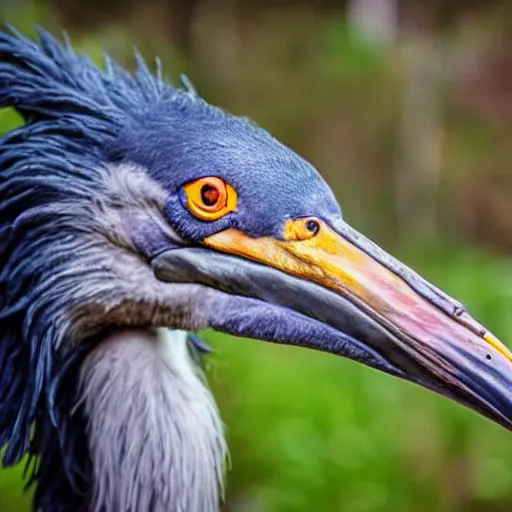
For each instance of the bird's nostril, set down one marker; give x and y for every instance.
(312, 226)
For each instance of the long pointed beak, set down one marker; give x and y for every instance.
(425, 336)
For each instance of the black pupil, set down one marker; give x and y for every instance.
(312, 226)
(209, 195)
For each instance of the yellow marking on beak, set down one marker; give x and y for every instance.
(312, 250)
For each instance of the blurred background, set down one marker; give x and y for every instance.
(406, 108)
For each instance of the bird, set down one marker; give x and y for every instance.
(135, 214)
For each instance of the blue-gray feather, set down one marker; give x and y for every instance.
(83, 128)
(73, 111)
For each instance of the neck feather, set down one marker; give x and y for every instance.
(155, 437)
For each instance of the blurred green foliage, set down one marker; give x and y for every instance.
(309, 431)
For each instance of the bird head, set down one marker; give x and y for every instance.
(126, 201)
(263, 231)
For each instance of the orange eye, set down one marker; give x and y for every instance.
(210, 198)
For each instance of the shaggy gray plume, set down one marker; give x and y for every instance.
(155, 437)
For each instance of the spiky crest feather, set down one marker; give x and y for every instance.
(48, 166)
